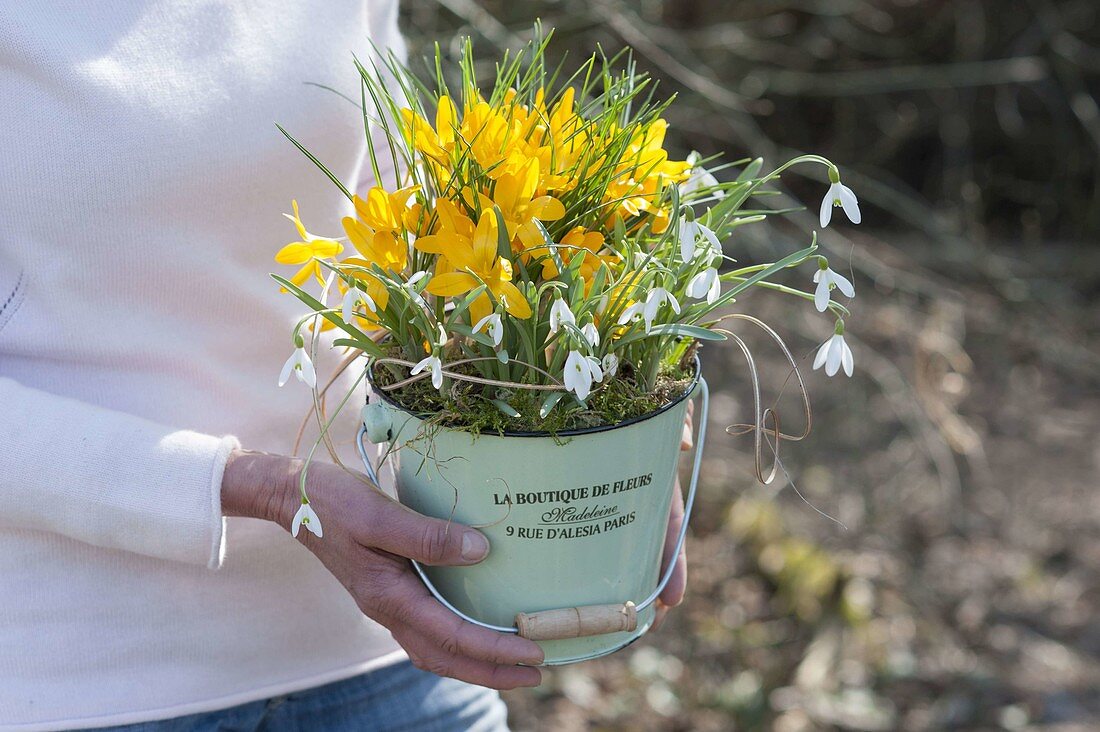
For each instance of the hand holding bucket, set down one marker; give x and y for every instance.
(575, 560)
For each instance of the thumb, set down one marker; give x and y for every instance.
(400, 530)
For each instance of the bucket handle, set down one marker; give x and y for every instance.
(575, 622)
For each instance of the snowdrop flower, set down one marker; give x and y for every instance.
(299, 365)
(699, 178)
(559, 314)
(705, 285)
(839, 195)
(591, 334)
(307, 517)
(653, 302)
(495, 327)
(580, 372)
(410, 286)
(834, 353)
(689, 233)
(610, 365)
(354, 296)
(433, 363)
(632, 313)
(826, 280)
(595, 368)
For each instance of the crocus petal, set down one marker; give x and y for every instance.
(827, 208)
(850, 203)
(821, 294)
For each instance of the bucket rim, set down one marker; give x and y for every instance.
(698, 368)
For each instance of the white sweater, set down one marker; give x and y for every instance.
(141, 184)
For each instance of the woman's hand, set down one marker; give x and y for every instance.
(673, 594)
(367, 538)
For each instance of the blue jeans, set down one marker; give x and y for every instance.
(397, 698)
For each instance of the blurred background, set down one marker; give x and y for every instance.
(963, 590)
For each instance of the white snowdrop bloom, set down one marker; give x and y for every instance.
(307, 517)
(436, 366)
(495, 327)
(578, 374)
(610, 365)
(631, 313)
(653, 302)
(299, 365)
(353, 297)
(826, 280)
(591, 334)
(689, 233)
(835, 353)
(699, 178)
(559, 314)
(595, 368)
(705, 285)
(410, 287)
(839, 195)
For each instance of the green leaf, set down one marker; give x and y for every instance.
(464, 304)
(317, 162)
(751, 171)
(504, 246)
(482, 338)
(317, 306)
(675, 329)
(550, 402)
(505, 407)
(367, 346)
(788, 261)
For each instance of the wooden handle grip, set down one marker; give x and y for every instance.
(576, 622)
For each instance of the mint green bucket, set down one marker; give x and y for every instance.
(576, 522)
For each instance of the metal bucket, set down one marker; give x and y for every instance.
(577, 521)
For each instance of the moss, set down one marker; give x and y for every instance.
(468, 406)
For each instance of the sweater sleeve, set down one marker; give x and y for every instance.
(110, 479)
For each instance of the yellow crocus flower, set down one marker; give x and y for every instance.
(578, 240)
(437, 143)
(307, 251)
(475, 261)
(515, 196)
(378, 232)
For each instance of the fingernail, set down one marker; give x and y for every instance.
(475, 546)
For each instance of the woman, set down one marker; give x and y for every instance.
(143, 180)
